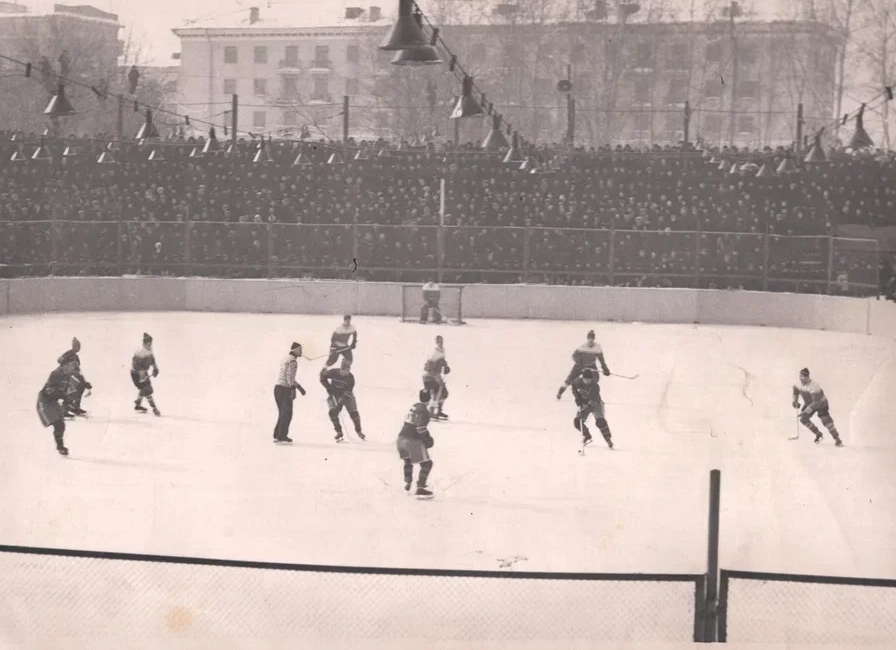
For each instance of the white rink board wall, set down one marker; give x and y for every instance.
(711, 307)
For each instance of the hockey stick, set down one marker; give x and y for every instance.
(797, 436)
(327, 354)
(613, 374)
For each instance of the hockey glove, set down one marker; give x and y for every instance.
(447, 370)
(606, 372)
(428, 442)
(300, 389)
(796, 404)
(88, 385)
(155, 372)
(353, 345)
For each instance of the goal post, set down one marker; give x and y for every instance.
(451, 301)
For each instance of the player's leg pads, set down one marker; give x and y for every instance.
(334, 418)
(604, 428)
(577, 423)
(408, 470)
(58, 431)
(807, 422)
(425, 469)
(356, 418)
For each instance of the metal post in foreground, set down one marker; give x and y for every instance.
(711, 616)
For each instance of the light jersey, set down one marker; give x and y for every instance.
(435, 364)
(431, 290)
(342, 334)
(586, 355)
(143, 360)
(811, 394)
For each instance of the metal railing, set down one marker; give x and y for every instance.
(454, 254)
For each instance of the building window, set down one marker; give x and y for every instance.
(714, 51)
(712, 124)
(643, 89)
(322, 56)
(678, 57)
(678, 91)
(746, 124)
(260, 119)
(260, 87)
(644, 56)
(230, 86)
(353, 54)
(352, 87)
(230, 55)
(291, 56)
(748, 54)
(748, 89)
(321, 87)
(261, 54)
(290, 87)
(290, 118)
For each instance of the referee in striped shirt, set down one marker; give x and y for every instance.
(285, 392)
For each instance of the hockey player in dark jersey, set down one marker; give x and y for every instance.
(586, 391)
(48, 399)
(144, 359)
(77, 384)
(585, 356)
(340, 385)
(413, 444)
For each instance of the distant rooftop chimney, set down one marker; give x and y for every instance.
(375, 14)
(254, 16)
(353, 13)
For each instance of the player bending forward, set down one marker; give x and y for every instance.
(431, 295)
(77, 384)
(434, 370)
(343, 341)
(55, 389)
(414, 442)
(814, 402)
(143, 360)
(585, 356)
(586, 391)
(340, 385)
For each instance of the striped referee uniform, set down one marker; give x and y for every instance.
(285, 392)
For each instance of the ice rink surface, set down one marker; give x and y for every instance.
(511, 491)
(206, 480)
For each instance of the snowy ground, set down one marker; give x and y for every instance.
(511, 490)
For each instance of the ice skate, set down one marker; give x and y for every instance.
(360, 435)
(156, 412)
(818, 438)
(339, 437)
(284, 439)
(441, 415)
(423, 493)
(139, 407)
(407, 486)
(63, 451)
(839, 442)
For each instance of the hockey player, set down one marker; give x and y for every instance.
(431, 295)
(586, 391)
(585, 356)
(340, 384)
(342, 342)
(434, 381)
(77, 384)
(414, 442)
(814, 402)
(55, 390)
(143, 360)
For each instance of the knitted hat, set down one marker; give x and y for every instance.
(68, 357)
(295, 346)
(805, 372)
(146, 337)
(75, 342)
(588, 373)
(591, 334)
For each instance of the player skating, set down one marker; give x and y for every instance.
(586, 391)
(431, 296)
(815, 402)
(413, 444)
(144, 359)
(340, 385)
(48, 399)
(434, 371)
(77, 384)
(585, 356)
(342, 342)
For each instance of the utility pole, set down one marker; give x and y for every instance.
(570, 111)
(733, 12)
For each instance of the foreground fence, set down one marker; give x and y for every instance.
(453, 254)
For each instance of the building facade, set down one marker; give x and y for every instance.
(734, 82)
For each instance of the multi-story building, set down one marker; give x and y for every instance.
(633, 79)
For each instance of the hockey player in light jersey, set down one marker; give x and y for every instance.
(340, 385)
(431, 295)
(77, 384)
(585, 356)
(586, 391)
(815, 402)
(414, 442)
(434, 381)
(144, 359)
(342, 342)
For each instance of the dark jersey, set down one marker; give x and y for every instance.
(337, 383)
(586, 393)
(415, 422)
(56, 386)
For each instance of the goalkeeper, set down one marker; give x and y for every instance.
(431, 296)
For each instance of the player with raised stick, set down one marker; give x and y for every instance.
(431, 295)
(343, 341)
(77, 385)
(143, 360)
(586, 391)
(285, 392)
(815, 402)
(340, 385)
(414, 442)
(434, 381)
(55, 390)
(585, 356)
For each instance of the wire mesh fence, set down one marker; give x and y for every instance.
(782, 609)
(52, 596)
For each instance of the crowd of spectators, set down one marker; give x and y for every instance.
(668, 217)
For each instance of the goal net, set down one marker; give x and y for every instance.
(450, 306)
